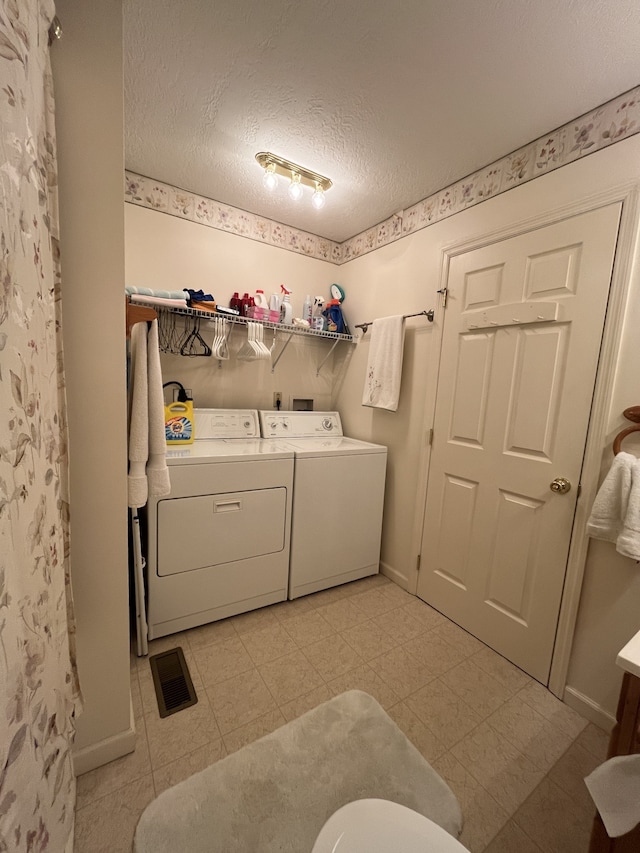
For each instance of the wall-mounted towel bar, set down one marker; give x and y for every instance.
(631, 414)
(428, 314)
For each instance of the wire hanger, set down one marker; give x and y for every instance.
(631, 414)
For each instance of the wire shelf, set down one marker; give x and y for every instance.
(242, 321)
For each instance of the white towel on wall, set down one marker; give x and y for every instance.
(628, 542)
(610, 506)
(138, 417)
(148, 473)
(384, 367)
(157, 471)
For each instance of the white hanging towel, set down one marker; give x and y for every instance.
(157, 471)
(148, 473)
(628, 542)
(138, 418)
(610, 506)
(384, 368)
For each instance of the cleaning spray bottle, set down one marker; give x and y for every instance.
(286, 309)
(318, 321)
(307, 310)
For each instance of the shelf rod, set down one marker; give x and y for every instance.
(428, 314)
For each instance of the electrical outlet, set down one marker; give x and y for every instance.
(176, 391)
(277, 399)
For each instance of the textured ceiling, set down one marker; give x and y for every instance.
(391, 100)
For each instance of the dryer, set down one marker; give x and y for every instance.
(218, 544)
(338, 498)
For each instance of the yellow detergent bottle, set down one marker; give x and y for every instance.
(178, 418)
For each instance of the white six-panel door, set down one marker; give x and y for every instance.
(520, 349)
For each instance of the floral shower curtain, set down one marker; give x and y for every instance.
(39, 693)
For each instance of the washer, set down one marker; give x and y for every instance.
(338, 498)
(218, 544)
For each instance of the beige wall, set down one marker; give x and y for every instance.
(165, 252)
(403, 277)
(89, 93)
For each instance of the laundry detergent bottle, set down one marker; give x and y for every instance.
(286, 309)
(261, 300)
(335, 320)
(178, 418)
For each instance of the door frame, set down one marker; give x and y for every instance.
(625, 271)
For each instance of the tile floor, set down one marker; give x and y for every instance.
(514, 755)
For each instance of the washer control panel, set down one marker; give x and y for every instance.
(226, 423)
(299, 424)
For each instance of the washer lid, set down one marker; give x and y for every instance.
(338, 445)
(227, 450)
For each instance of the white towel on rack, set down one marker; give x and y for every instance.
(157, 471)
(384, 368)
(138, 418)
(148, 473)
(610, 506)
(628, 542)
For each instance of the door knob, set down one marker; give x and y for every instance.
(560, 485)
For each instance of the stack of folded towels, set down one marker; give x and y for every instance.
(172, 298)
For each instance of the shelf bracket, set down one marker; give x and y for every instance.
(281, 353)
(327, 356)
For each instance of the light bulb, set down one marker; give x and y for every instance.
(295, 187)
(270, 179)
(318, 199)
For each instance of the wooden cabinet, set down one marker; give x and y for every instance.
(625, 740)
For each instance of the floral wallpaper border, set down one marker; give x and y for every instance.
(612, 122)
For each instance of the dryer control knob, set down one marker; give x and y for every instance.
(327, 424)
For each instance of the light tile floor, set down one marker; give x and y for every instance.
(514, 755)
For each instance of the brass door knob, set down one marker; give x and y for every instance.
(560, 486)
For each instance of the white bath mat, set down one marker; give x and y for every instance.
(276, 793)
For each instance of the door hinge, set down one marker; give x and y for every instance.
(418, 561)
(430, 437)
(579, 490)
(445, 292)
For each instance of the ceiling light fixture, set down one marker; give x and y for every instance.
(295, 187)
(298, 177)
(270, 179)
(318, 199)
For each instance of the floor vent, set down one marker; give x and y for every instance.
(172, 681)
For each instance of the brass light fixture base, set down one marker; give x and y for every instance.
(286, 168)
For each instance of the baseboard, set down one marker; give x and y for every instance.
(588, 709)
(394, 575)
(107, 750)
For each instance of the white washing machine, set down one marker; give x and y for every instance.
(338, 498)
(218, 544)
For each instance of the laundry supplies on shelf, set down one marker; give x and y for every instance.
(178, 418)
(334, 317)
(286, 310)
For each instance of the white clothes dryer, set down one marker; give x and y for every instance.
(218, 544)
(338, 498)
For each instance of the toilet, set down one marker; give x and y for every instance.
(380, 826)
